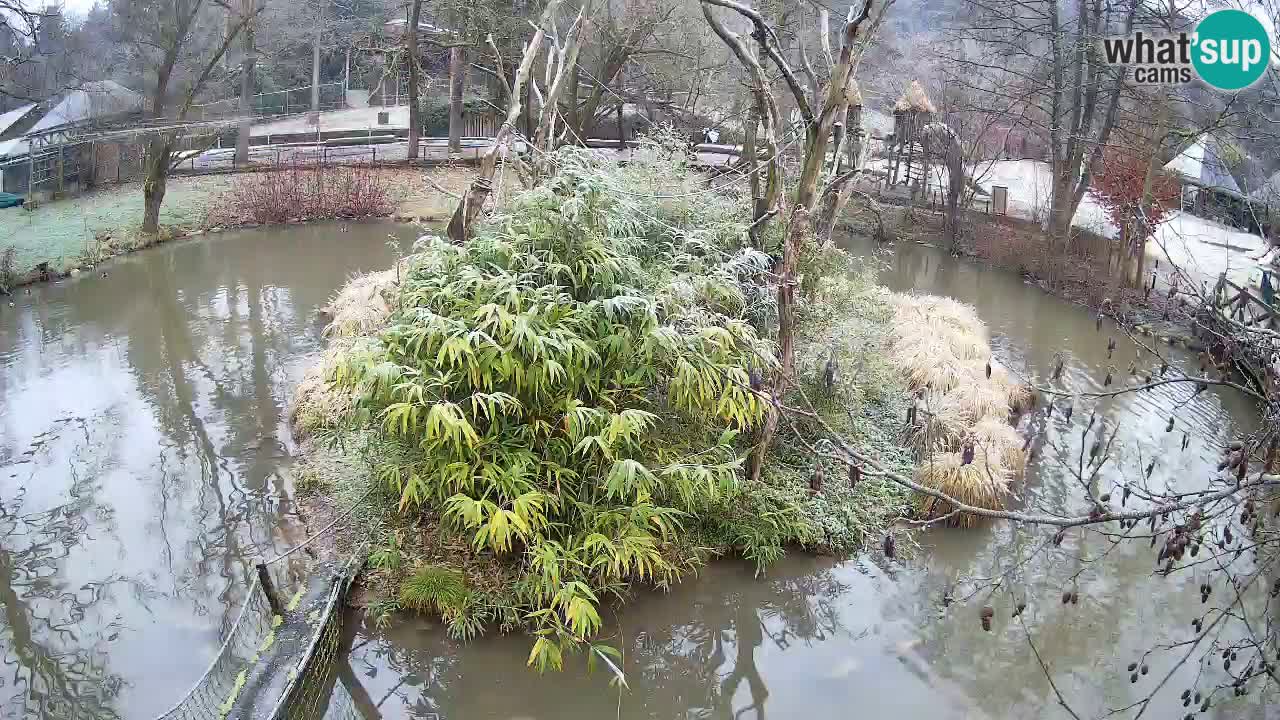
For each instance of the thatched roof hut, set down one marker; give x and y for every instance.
(914, 99)
(854, 94)
(911, 112)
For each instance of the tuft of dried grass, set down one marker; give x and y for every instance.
(925, 370)
(974, 400)
(983, 484)
(363, 305)
(317, 404)
(360, 309)
(914, 99)
(997, 440)
(942, 348)
(937, 429)
(1021, 398)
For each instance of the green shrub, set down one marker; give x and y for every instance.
(436, 589)
(569, 392)
(569, 387)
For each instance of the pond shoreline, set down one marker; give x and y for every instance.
(170, 234)
(1143, 313)
(84, 231)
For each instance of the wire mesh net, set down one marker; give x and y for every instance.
(309, 695)
(281, 655)
(215, 692)
(255, 650)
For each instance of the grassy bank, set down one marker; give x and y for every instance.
(560, 410)
(88, 228)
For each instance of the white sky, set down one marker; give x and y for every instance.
(78, 8)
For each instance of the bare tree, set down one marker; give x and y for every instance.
(617, 40)
(19, 26)
(1045, 55)
(415, 71)
(472, 202)
(179, 47)
(819, 120)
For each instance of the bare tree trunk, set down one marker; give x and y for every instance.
(315, 66)
(758, 202)
(247, 63)
(796, 233)
(154, 184)
(411, 51)
(1139, 250)
(622, 136)
(457, 79)
(955, 188)
(572, 115)
(473, 200)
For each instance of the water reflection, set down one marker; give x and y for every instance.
(800, 642)
(143, 459)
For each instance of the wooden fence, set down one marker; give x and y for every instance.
(1242, 305)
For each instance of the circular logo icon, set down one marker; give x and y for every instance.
(1232, 49)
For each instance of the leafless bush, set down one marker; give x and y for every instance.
(303, 192)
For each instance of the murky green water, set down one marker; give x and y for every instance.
(143, 457)
(143, 462)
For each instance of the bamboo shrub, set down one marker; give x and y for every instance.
(568, 388)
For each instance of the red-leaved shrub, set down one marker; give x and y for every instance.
(303, 192)
(1118, 186)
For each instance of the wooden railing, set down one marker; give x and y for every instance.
(1241, 304)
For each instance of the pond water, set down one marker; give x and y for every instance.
(143, 458)
(144, 462)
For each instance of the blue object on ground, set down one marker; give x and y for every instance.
(8, 200)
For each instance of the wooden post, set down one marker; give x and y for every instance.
(622, 137)
(269, 589)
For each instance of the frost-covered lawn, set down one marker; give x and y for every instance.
(60, 232)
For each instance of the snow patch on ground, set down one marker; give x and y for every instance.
(350, 120)
(1203, 248)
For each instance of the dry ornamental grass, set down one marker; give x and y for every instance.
(965, 401)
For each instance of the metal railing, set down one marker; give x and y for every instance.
(289, 101)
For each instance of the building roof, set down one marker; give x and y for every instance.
(8, 119)
(91, 101)
(914, 99)
(1201, 163)
(10, 148)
